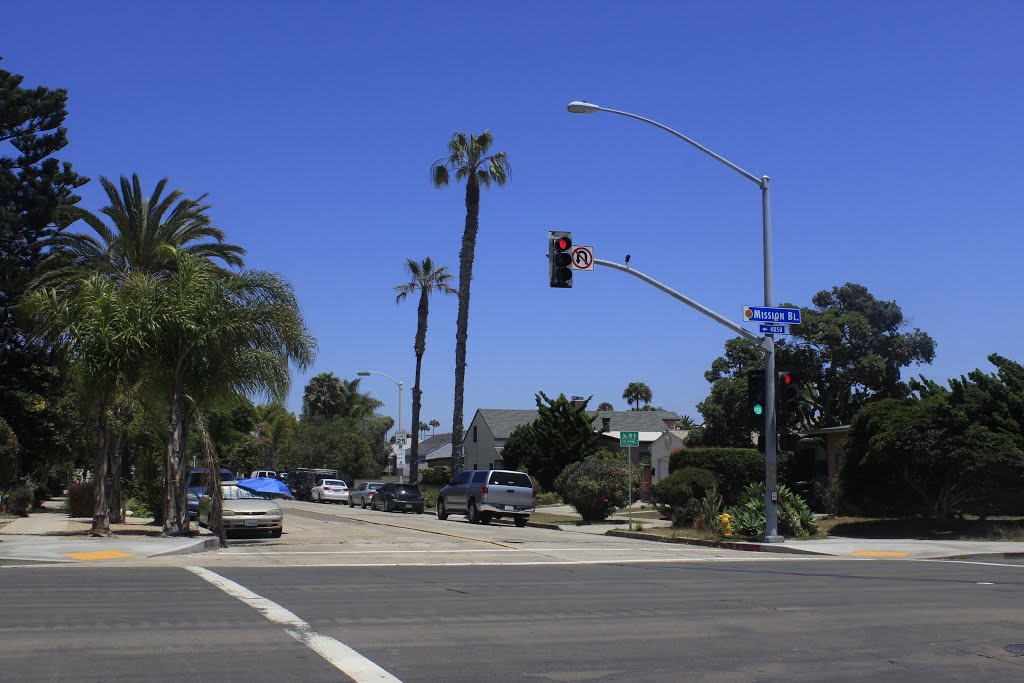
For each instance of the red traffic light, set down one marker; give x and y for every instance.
(787, 379)
(564, 243)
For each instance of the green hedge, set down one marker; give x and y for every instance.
(733, 468)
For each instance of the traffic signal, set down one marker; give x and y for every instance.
(560, 258)
(755, 397)
(787, 396)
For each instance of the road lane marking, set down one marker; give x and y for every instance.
(341, 656)
(541, 563)
(881, 553)
(99, 555)
(989, 564)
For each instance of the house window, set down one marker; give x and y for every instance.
(474, 433)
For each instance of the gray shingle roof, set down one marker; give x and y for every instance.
(503, 422)
(434, 442)
(634, 420)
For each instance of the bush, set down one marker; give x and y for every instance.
(429, 496)
(147, 484)
(795, 518)
(596, 486)
(435, 475)
(40, 494)
(548, 498)
(733, 468)
(682, 486)
(708, 509)
(81, 499)
(138, 508)
(19, 501)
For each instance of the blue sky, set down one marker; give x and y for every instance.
(891, 132)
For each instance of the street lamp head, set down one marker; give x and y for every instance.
(581, 107)
(363, 373)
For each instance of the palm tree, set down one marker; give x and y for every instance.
(468, 157)
(686, 422)
(434, 424)
(138, 238)
(105, 329)
(637, 392)
(424, 428)
(324, 396)
(222, 333)
(606, 406)
(426, 279)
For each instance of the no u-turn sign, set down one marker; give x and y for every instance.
(582, 258)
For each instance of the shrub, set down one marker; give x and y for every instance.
(708, 509)
(829, 492)
(733, 468)
(81, 498)
(429, 496)
(596, 486)
(40, 494)
(138, 508)
(19, 501)
(682, 486)
(795, 518)
(147, 486)
(435, 475)
(548, 498)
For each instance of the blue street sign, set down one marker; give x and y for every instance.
(773, 329)
(778, 316)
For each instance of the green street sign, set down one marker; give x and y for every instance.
(629, 439)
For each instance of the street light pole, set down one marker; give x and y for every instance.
(770, 427)
(367, 373)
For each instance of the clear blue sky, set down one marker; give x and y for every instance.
(892, 133)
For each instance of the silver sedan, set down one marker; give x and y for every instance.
(244, 511)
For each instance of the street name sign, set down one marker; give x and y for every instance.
(773, 329)
(777, 316)
(629, 439)
(582, 258)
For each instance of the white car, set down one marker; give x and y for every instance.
(263, 474)
(329, 491)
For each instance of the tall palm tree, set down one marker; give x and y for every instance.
(324, 396)
(468, 157)
(606, 406)
(136, 241)
(434, 424)
(426, 279)
(637, 392)
(222, 333)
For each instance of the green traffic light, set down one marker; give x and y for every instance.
(758, 409)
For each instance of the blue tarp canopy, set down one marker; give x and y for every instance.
(272, 488)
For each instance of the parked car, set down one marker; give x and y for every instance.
(196, 487)
(302, 481)
(244, 511)
(391, 497)
(329, 490)
(263, 474)
(483, 495)
(364, 493)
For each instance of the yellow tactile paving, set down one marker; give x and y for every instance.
(99, 555)
(881, 553)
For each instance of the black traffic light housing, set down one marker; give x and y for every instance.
(560, 259)
(788, 405)
(755, 398)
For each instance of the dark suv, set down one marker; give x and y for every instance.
(393, 497)
(301, 482)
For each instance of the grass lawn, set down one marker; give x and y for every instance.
(970, 529)
(687, 532)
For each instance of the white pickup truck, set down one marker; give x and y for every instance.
(483, 495)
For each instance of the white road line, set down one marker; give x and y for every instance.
(344, 658)
(988, 564)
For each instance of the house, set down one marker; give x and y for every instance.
(487, 434)
(662, 448)
(437, 450)
(491, 427)
(828, 450)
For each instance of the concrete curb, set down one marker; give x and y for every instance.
(543, 525)
(981, 556)
(727, 545)
(200, 546)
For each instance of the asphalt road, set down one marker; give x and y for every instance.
(720, 620)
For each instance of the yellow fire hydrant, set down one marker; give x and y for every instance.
(726, 520)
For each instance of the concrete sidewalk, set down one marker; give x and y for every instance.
(50, 536)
